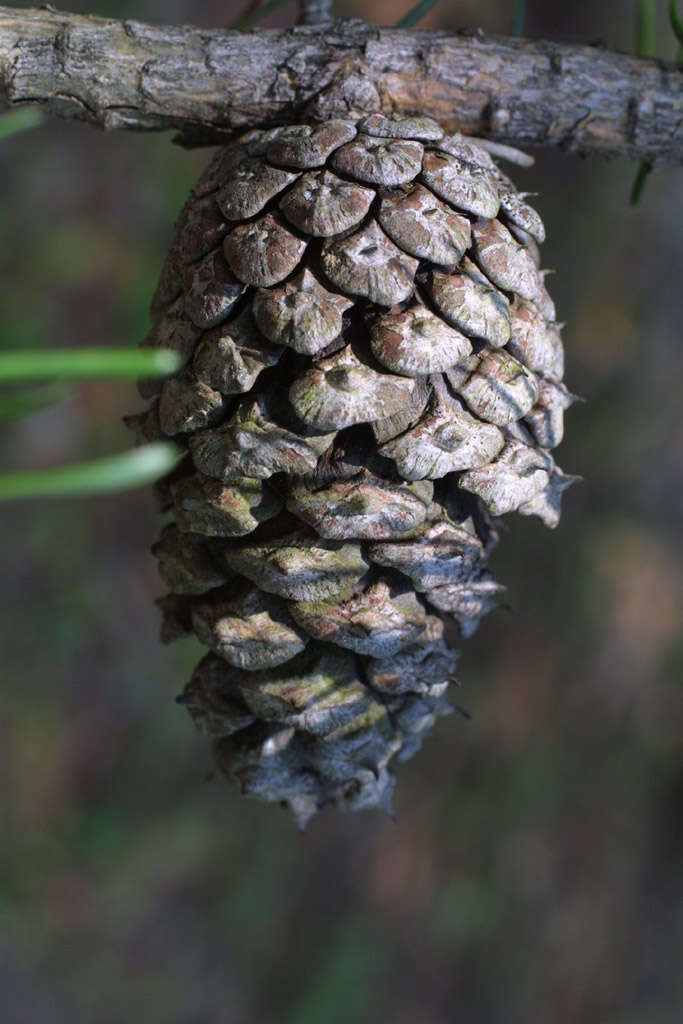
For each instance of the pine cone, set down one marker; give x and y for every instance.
(372, 372)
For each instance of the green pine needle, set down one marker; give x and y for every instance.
(647, 28)
(416, 13)
(519, 18)
(100, 476)
(79, 363)
(20, 121)
(676, 22)
(639, 183)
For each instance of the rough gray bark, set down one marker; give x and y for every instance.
(207, 83)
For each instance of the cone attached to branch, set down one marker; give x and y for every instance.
(372, 373)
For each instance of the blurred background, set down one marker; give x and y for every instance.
(534, 871)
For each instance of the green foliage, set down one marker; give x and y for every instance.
(639, 183)
(518, 18)
(646, 28)
(112, 473)
(20, 120)
(676, 23)
(416, 13)
(82, 363)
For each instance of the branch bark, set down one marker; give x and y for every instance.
(208, 83)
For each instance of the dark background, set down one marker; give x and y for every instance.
(533, 873)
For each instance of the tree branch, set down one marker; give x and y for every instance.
(206, 84)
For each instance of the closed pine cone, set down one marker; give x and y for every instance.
(372, 372)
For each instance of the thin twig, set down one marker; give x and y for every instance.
(211, 83)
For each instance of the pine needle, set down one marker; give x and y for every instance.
(99, 476)
(20, 121)
(416, 13)
(81, 363)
